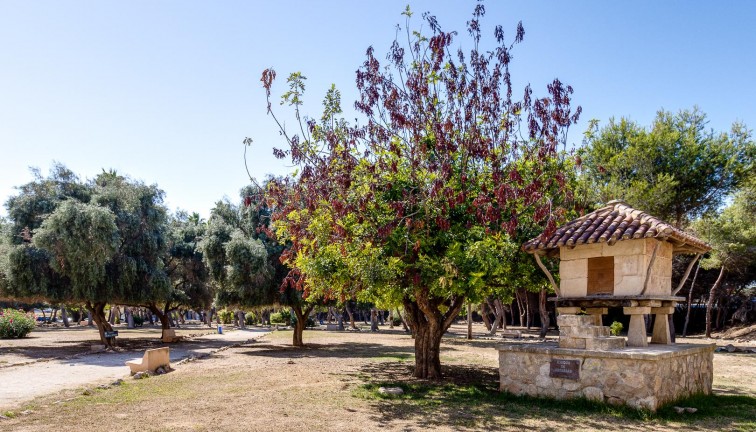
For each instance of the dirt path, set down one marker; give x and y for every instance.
(25, 382)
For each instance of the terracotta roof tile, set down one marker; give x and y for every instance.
(615, 222)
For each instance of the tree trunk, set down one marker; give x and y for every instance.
(404, 323)
(469, 321)
(129, 318)
(373, 319)
(391, 319)
(165, 324)
(528, 317)
(351, 316)
(544, 313)
(520, 308)
(98, 315)
(484, 314)
(429, 325)
(710, 302)
(64, 315)
(89, 318)
(301, 323)
(690, 300)
(501, 310)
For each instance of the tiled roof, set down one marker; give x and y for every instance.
(612, 223)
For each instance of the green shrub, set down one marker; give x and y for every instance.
(309, 324)
(226, 316)
(250, 318)
(281, 317)
(616, 328)
(398, 321)
(138, 321)
(15, 324)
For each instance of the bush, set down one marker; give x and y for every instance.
(226, 316)
(250, 318)
(138, 321)
(616, 328)
(398, 321)
(15, 324)
(309, 324)
(281, 317)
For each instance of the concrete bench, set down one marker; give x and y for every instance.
(152, 359)
(169, 336)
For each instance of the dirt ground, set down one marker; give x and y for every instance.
(331, 385)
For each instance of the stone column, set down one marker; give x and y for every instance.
(597, 313)
(661, 334)
(636, 333)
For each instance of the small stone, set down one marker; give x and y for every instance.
(26, 412)
(290, 362)
(679, 410)
(691, 410)
(86, 392)
(730, 348)
(103, 386)
(4, 417)
(117, 382)
(395, 391)
(140, 375)
(160, 371)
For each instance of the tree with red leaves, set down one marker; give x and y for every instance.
(412, 204)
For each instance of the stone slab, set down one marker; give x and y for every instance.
(567, 320)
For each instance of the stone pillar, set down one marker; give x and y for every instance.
(636, 333)
(597, 313)
(661, 334)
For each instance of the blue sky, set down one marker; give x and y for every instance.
(165, 91)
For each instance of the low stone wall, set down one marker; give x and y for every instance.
(646, 377)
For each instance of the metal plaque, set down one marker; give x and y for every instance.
(111, 334)
(568, 369)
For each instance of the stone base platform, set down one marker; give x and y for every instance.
(647, 377)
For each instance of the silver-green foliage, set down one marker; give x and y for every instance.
(82, 239)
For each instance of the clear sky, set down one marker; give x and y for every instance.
(165, 91)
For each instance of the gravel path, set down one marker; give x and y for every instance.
(22, 383)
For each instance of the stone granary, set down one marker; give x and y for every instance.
(618, 256)
(614, 257)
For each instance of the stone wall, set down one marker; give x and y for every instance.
(638, 377)
(631, 259)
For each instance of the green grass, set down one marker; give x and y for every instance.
(400, 357)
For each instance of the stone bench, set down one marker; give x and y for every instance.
(152, 359)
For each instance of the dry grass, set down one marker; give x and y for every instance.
(331, 385)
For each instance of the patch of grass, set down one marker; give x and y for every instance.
(9, 414)
(713, 406)
(486, 401)
(400, 357)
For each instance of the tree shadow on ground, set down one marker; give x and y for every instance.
(468, 397)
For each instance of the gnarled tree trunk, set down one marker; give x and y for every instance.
(301, 323)
(98, 316)
(544, 313)
(429, 325)
(165, 323)
(710, 302)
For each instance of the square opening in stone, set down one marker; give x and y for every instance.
(601, 275)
